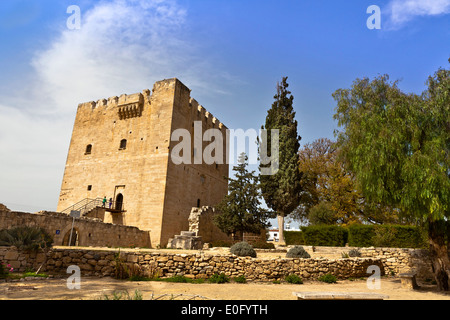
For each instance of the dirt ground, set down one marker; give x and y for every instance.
(93, 288)
(98, 288)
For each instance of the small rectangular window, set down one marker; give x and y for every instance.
(123, 144)
(89, 188)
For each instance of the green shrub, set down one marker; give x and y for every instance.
(240, 279)
(26, 238)
(354, 253)
(243, 249)
(298, 252)
(394, 236)
(139, 278)
(328, 278)
(218, 278)
(398, 236)
(294, 279)
(294, 238)
(360, 235)
(333, 236)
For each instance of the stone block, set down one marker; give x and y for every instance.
(132, 258)
(14, 264)
(11, 255)
(408, 281)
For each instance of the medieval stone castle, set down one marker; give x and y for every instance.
(120, 149)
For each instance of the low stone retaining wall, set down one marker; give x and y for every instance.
(397, 260)
(105, 262)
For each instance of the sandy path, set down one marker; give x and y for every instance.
(96, 288)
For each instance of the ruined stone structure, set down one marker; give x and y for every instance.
(121, 148)
(202, 230)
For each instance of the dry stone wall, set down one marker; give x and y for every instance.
(201, 265)
(399, 260)
(198, 265)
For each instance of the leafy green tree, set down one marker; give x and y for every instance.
(397, 145)
(240, 211)
(322, 213)
(281, 190)
(325, 179)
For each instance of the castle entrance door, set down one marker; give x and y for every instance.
(119, 191)
(119, 202)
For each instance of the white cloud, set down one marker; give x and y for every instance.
(32, 159)
(402, 11)
(123, 46)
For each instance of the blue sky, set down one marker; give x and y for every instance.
(230, 53)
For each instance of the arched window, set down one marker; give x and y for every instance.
(123, 144)
(88, 149)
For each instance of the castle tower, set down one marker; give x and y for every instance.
(121, 148)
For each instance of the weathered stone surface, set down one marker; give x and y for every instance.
(12, 255)
(90, 232)
(195, 265)
(158, 194)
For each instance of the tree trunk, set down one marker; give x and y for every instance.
(281, 240)
(439, 254)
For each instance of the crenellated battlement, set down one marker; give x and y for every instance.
(202, 114)
(115, 101)
(132, 105)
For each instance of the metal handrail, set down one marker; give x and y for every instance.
(86, 205)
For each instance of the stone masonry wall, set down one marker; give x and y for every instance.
(201, 222)
(397, 260)
(201, 265)
(91, 232)
(198, 265)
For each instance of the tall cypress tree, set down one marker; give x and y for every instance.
(281, 190)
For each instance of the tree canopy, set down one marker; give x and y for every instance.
(330, 189)
(240, 210)
(397, 145)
